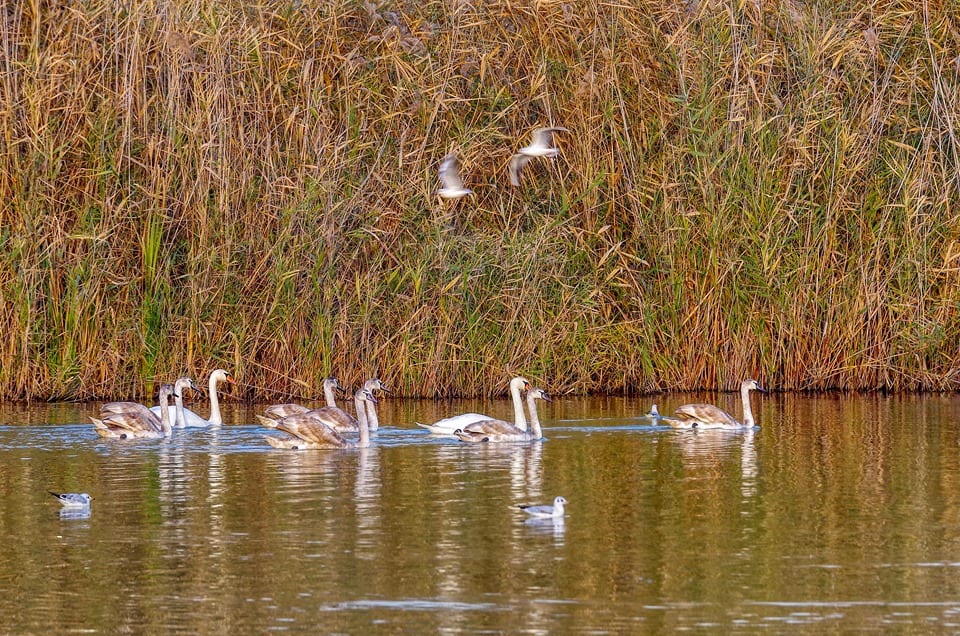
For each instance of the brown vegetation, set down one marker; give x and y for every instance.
(748, 189)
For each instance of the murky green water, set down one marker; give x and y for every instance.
(837, 514)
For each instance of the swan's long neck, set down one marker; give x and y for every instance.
(359, 403)
(181, 420)
(215, 418)
(330, 395)
(165, 425)
(373, 420)
(535, 431)
(519, 418)
(747, 411)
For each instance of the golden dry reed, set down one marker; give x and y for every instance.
(748, 188)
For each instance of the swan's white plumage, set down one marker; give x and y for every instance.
(501, 431)
(192, 420)
(448, 425)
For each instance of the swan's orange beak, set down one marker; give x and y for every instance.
(230, 379)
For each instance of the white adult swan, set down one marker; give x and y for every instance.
(179, 386)
(304, 432)
(193, 420)
(500, 431)
(448, 425)
(132, 420)
(709, 416)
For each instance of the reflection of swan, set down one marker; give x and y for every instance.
(374, 384)
(448, 425)
(307, 432)
(191, 419)
(178, 388)
(709, 416)
(500, 431)
(131, 420)
(556, 510)
(748, 465)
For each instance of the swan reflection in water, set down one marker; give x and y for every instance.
(713, 448)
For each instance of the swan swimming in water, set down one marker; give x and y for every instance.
(330, 386)
(448, 425)
(556, 510)
(178, 387)
(331, 414)
(500, 431)
(304, 432)
(373, 420)
(709, 416)
(192, 420)
(132, 420)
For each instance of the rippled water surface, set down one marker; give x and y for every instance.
(838, 513)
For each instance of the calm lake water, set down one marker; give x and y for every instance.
(838, 513)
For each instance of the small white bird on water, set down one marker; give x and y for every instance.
(556, 510)
(654, 415)
(453, 187)
(72, 500)
(540, 146)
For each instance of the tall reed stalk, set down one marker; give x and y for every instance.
(748, 189)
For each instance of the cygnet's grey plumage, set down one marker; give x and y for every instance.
(500, 431)
(710, 416)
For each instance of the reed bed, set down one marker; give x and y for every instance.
(748, 189)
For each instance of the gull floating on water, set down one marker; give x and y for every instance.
(556, 510)
(453, 187)
(654, 414)
(541, 146)
(72, 499)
